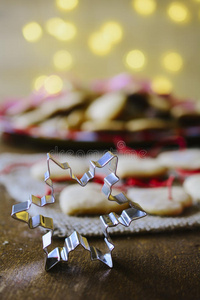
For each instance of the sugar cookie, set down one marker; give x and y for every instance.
(146, 124)
(160, 103)
(102, 125)
(106, 107)
(88, 200)
(188, 159)
(192, 186)
(156, 200)
(78, 164)
(48, 108)
(133, 166)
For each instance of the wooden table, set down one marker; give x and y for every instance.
(146, 266)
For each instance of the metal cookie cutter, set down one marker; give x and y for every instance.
(60, 254)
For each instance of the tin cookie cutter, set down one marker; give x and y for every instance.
(61, 254)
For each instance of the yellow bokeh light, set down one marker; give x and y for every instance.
(52, 25)
(66, 32)
(53, 84)
(144, 7)
(66, 4)
(172, 62)
(112, 31)
(99, 44)
(135, 59)
(62, 60)
(161, 85)
(32, 32)
(178, 12)
(39, 82)
(60, 29)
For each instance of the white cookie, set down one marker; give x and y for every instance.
(87, 200)
(160, 103)
(186, 109)
(146, 124)
(133, 166)
(106, 107)
(79, 166)
(192, 186)
(156, 200)
(48, 108)
(104, 125)
(188, 159)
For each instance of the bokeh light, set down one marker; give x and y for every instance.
(144, 7)
(161, 85)
(66, 4)
(52, 24)
(99, 44)
(135, 59)
(38, 83)
(62, 60)
(61, 30)
(172, 62)
(53, 84)
(112, 31)
(32, 32)
(178, 12)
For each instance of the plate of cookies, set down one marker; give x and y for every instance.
(100, 112)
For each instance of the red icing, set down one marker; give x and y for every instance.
(151, 183)
(187, 172)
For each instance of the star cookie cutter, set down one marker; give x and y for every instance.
(61, 254)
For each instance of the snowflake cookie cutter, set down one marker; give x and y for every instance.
(61, 254)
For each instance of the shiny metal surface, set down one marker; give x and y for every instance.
(61, 254)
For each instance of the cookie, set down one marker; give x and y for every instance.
(192, 186)
(48, 108)
(156, 200)
(160, 103)
(134, 166)
(187, 113)
(50, 125)
(106, 107)
(186, 108)
(88, 200)
(188, 159)
(146, 124)
(78, 164)
(102, 125)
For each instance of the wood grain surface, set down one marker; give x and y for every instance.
(150, 266)
(158, 266)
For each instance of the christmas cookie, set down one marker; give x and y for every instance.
(187, 159)
(192, 186)
(106, 107)
(161, 201)
(76, 200)
(146, 124)
(78, 165)
(134, 166)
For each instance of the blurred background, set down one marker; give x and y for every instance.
(156, 40)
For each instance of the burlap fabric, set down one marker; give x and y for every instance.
(20, 185)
